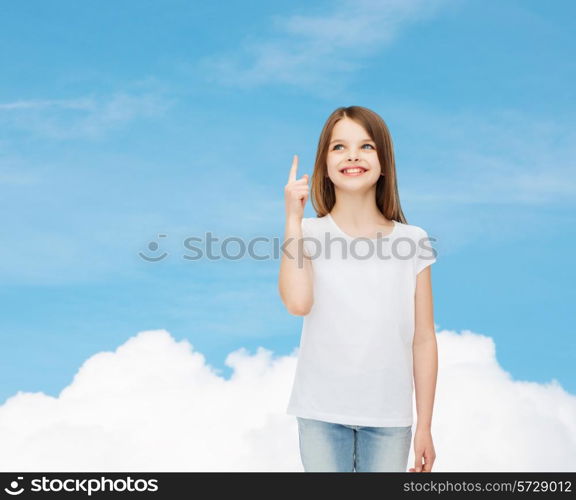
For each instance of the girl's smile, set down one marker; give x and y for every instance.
(353, 171)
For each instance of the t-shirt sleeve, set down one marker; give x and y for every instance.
(425, 253)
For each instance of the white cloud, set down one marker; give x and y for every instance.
(503, 156)
(84, 117)
(155, 405)
(309, 50)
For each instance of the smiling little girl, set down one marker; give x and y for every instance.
(359, 275)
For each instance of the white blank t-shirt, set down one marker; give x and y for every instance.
(355, 356)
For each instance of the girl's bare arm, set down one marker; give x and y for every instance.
(295, 278)
(425, 353)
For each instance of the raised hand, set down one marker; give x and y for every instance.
(296, 192)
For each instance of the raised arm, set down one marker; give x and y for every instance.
(295, 278)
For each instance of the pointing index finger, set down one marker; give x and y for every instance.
(293, 169)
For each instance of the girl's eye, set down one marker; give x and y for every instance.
(335, 146)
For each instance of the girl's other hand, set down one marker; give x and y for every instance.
(296, 192)
(423, 449)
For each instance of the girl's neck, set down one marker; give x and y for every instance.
(357, 210)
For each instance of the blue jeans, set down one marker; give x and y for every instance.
(329, 447)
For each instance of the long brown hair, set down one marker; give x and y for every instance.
(323, 196)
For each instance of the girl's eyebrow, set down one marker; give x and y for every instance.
(343, 140)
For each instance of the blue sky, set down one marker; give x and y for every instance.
(120, 121)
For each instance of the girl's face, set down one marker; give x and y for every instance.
(350, 145)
